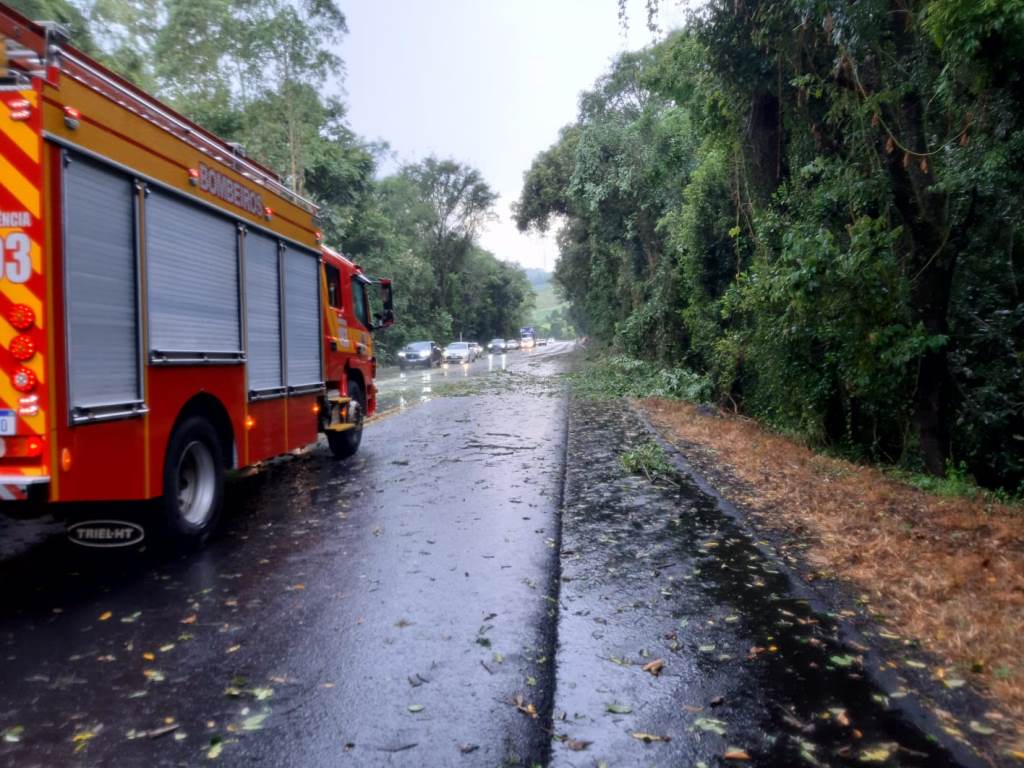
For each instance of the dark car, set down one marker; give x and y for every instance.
(425, 353)
(496, 345)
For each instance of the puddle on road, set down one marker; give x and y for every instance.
(401, 390)
(656, 571)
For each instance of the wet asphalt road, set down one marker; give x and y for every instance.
(481, 586)
(385, 610)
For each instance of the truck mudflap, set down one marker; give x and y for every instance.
(24, 454)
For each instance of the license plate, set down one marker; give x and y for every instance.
(8, 422)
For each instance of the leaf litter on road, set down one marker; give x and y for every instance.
(711, 725)
(254, 722)
(654, 667)
(649, 738)
(528, 709)
(577, 745)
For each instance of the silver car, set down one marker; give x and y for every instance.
(458, 352)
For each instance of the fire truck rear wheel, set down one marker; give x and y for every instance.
(193, 482)
(345, 444)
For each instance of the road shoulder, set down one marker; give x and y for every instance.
(683, 638)
(888, 559)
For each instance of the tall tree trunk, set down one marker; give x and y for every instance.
(932, 258)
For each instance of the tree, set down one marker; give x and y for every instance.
(460, 202)
(62, 12)
(817, 205)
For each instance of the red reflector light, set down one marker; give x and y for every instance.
(193, 173)
(267, 211)
(22, 347)
(21, 317)
(21, 447)
(23, 380)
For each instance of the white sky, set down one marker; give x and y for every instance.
(487, 82)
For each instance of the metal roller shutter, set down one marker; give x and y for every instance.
(302, 317)
(263, 313)
(192, 264)
(99, 264)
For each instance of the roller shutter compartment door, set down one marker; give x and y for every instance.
(100, 281)
(192, 264)
(302, 317)
(263, 313)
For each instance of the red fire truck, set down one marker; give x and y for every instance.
(167, 308)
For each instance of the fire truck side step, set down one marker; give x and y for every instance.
(342, 427)
(332, 398)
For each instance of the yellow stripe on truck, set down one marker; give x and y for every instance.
(23, 135)
(24, 190)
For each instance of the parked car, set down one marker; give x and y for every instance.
(425, 353)
(496, 346)
(458, 352)
(476, 349)
(511, 344)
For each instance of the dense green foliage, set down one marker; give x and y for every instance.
(604, 376)
(261, 74)
(818, 207)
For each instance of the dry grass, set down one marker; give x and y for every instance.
(946, 571)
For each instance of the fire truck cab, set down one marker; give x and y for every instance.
(167, 307)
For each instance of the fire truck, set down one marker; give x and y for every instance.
(167, 308)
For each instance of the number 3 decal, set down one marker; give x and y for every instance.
(18, 266)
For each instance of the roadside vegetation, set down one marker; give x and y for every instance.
(620, 375)
(265, 75)
(817, 209)
(650, 460)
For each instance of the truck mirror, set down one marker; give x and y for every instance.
(385, 318)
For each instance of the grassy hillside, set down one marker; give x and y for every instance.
(547, 302)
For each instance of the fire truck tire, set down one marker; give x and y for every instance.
(193, 482)
(345, 444)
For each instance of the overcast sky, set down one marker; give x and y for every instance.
(487, 82)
